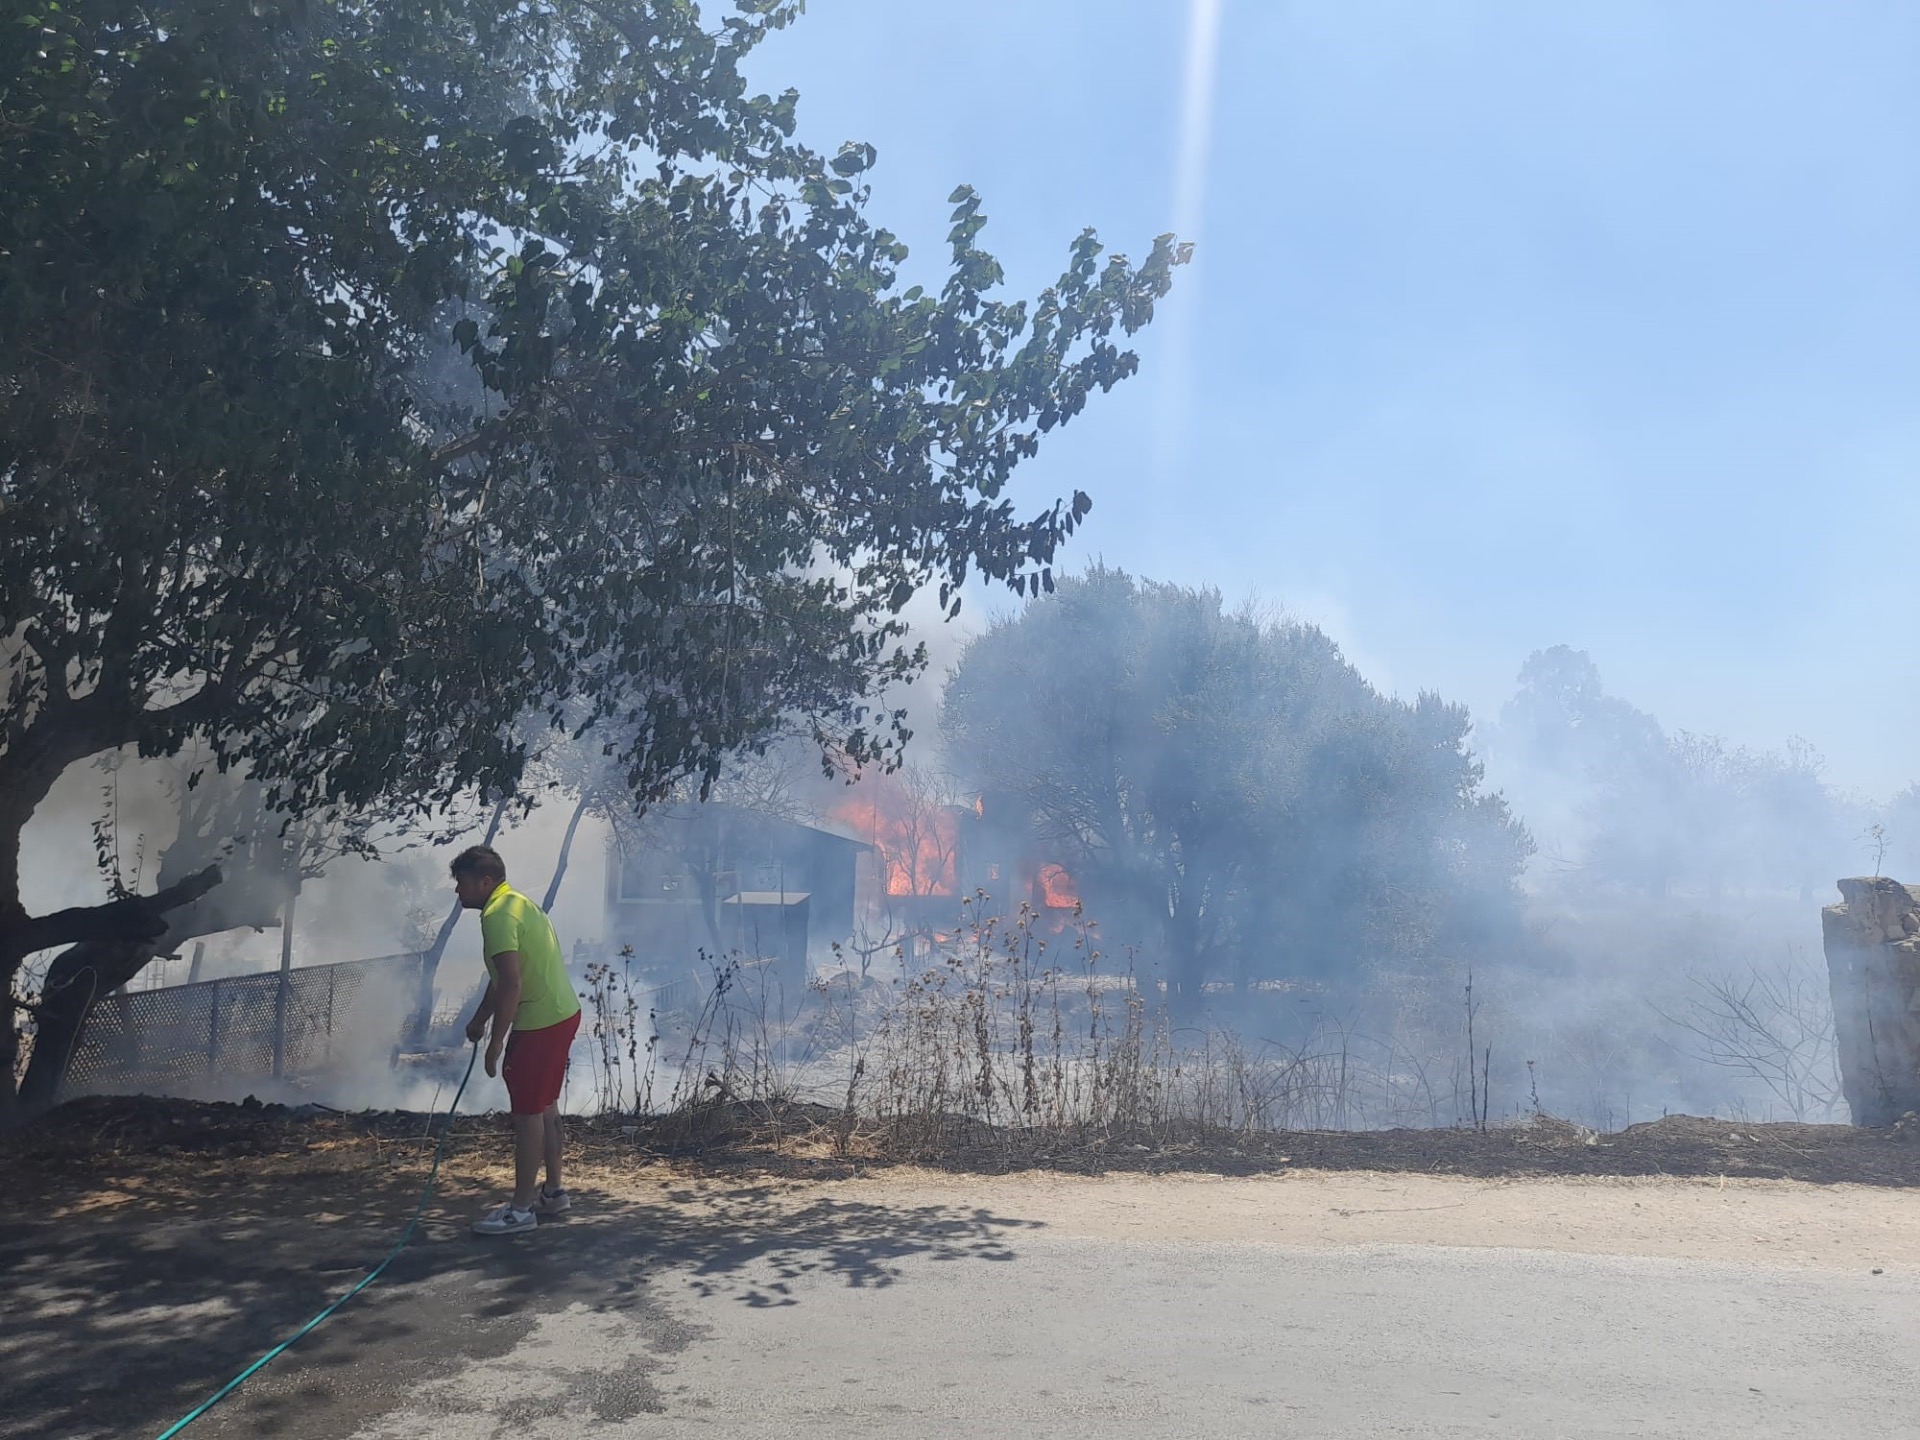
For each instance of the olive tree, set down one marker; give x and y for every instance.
(1227, 790)
(372, 374)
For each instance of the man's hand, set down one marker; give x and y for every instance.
(483, 1012)
(493, 1057)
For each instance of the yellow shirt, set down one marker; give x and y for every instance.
(511, 921)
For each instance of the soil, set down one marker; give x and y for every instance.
(92, 1146)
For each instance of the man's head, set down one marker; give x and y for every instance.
(478, 871)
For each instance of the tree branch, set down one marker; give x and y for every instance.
(53, 657)
(135, 918)
(203, 707)
(468, 444)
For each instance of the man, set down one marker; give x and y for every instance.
(528, 992)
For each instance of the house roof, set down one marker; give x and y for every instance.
(760, 817)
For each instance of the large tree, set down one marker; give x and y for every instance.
(1227, 789)
(372, 372)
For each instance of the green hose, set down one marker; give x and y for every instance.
(371, 1276)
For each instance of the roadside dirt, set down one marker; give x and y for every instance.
(1824, 1197)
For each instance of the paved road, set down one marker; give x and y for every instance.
(756, 1315)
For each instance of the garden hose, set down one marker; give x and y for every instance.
(371, 1276)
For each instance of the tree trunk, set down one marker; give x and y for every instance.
(36, 755)
(707, 886)
(132, 918)
(9, 1041)
(701, 851)
(280, 994)
(566, 849)
(135, 923)
(430, 962)
(1186, 961)
(93, 969)
(79, 978)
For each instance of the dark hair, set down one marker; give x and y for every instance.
(479, 860)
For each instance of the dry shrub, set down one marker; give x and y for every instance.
(1022, 1031)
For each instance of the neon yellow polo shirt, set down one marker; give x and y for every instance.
(513, 922)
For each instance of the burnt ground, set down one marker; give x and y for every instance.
(157, 1245)
(98, 1143)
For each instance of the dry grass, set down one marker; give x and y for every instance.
(1023, 1034)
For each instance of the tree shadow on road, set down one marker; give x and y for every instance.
(121, 1316)
(748, 1247)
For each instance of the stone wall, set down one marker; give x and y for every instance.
(1873, 965)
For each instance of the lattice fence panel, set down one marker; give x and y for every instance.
(224, 1029)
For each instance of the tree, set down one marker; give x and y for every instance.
(1773, 1025)
(371, 373)
(1651, 812)
(1896, 849)
(1228, 786)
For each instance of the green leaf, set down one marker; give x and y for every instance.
(854, 158)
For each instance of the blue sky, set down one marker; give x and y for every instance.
(1513, 324)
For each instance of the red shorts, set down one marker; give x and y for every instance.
(535, 1066)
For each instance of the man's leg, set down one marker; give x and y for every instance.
(556, 1139)
(529, 1148)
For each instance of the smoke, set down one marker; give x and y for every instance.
(1662, 952)
(114, 809)
(110, 821)
(1674, 874)
(1671, 872)
(1668, 868)
(357, 908)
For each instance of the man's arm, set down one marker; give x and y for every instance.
(477, 1026)
(505, 991)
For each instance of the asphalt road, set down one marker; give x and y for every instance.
(753, 1314)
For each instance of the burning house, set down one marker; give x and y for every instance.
(930, 853)
(892, 867)
(716, 879)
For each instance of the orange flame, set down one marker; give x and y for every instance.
(916, 841)
(1057, 888)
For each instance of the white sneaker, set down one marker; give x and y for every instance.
(505, 1220)
(552, 1202)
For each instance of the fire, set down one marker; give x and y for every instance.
(1057, 888)
(915, 836)
(916, 831)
